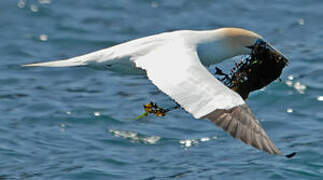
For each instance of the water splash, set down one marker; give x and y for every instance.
(135, 137)
(187, 143)
(34, 8)
(43, 37)
(21, 3)
(97, 114)
(138, 138)
(44, 1)
(300, 88)
(320, 98)
(301, 21)
(289, 110)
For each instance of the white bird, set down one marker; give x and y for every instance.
(175, 62)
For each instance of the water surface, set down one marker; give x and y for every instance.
(78, 123)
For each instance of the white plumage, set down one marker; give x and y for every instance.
(174, 62)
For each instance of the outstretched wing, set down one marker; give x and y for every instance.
(174, 67)
(176, 70)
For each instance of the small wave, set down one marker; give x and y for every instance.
(187, 143)
(139, 138)
(13, 96)
(135, 137)
(300, 88)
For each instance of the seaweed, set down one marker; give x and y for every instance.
(255, 71)
(153, 108)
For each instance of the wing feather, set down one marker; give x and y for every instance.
(240, 123)
(176, 70)
(174, 67)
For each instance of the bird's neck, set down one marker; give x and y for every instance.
(213, 48)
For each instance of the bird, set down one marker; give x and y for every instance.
(177, 63)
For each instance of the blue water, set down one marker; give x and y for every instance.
(78, 123)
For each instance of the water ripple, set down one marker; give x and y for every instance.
(135, 137)
(54, 122)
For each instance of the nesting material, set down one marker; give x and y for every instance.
(255, 71)
(152, 108)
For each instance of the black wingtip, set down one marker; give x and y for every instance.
(290, 155)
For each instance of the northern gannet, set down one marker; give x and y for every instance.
(176, 63)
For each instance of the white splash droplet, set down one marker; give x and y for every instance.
(301, 21)
(96, 113)
(44, 1)
(289, 83)
(34, 8)
(300, 87)
(21, 4)
(320, 98)
(151, 139)
(203, 139)
(43, 37)
(134, 137)
(289, 110)
(187, 143)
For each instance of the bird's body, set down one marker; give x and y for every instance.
(175, 62)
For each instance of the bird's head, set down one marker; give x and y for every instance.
(244, 42)
(264, 65)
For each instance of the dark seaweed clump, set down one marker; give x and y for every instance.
(255, 71)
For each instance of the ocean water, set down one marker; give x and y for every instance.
(79, 123)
